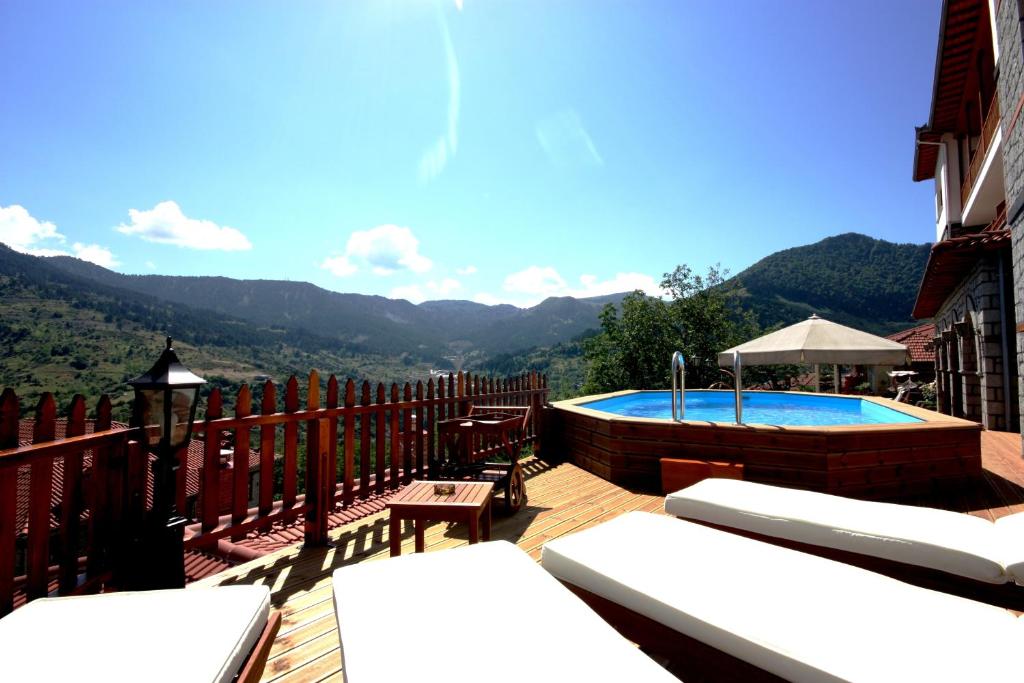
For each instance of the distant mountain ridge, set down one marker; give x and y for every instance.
(850, 279)
(429, 330)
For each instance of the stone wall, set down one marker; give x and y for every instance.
(970, 326)
(1010, 83)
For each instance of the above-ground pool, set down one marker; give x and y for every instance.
(866, 447)
(761, 407)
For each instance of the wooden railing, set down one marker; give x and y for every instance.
(988, 131)
(354, 444)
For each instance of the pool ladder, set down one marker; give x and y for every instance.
(678, 386)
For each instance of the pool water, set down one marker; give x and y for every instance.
(770, 408)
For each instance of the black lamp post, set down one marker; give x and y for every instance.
(165, 410)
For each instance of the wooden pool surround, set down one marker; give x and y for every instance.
(883, 462)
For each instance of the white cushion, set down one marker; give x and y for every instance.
(799, 616)
(939, 539)
(484, 612)
(1011, 536)
(168, 635)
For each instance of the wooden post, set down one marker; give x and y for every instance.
(9, 411)
(817, 378)
(105, 499)
(268, 435)
(318, 482)
(71, 500)
(431, 429)
(417, 433)
(332, 445)
(316, 466)
(350, 444)
(407, 434)
(40, 486)
(211, 463)
(291, 445)
(240, 463)
(365, 445)
(380, 441)
(835, 379)
(396, 441)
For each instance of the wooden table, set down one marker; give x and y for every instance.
(471, 503)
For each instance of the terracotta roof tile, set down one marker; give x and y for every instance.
(917, 340)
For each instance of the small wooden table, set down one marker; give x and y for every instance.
(471, 503)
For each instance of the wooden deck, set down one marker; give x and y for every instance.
(562, 499)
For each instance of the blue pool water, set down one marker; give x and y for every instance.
(771, 408)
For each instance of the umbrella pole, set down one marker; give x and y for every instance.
(817, 378)
(835, 379)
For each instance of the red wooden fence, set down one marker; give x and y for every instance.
(358, 441)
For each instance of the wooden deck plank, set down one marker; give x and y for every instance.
(561, 499)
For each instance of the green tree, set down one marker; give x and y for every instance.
(701, 318)
(631, 351)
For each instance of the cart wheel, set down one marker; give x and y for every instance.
(515, 489)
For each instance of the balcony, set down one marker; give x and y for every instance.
(982, 189)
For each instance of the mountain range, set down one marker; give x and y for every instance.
(73, 326)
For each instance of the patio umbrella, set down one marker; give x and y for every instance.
(816, 341)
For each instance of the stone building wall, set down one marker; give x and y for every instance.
(1010, 84)
(969, 326)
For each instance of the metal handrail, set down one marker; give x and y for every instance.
(678, 386)
(737, 368)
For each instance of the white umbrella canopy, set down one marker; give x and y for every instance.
(816, 340)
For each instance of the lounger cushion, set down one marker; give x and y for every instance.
(1011, 537)
(799, 616)
(948, 541)
(168, 635)
(484, 612)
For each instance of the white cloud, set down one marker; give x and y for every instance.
(434, 289)
(150, 265)
(445, 286)
(486, 299)
(411, 293)
(468, 270)
(166, 224)
(384, 249)
(22, 232)
(534, 284)
(94, 253)
(537, 280)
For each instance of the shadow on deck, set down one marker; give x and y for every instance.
(561, 499)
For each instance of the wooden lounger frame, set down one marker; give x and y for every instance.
(1007, 595)
(252, 668)
(685, 657)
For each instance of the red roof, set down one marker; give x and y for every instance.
(917, 340)
(949, 262)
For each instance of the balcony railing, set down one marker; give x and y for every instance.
(988, 132)
(69, 506)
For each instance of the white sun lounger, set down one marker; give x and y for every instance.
(484, 612)
(197, 635)
(938, 549)
(772, 613)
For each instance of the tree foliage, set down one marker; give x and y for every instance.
(700, 318)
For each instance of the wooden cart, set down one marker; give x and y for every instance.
(494, 430)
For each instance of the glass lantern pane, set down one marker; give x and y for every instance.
(151, 412)
(181, 411)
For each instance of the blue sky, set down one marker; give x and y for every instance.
(499, 151)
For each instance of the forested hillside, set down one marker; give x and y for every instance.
(852, 279)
